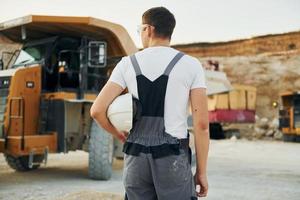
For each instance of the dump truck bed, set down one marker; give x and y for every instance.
(35, 27)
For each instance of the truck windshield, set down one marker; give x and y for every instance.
(30, 55)
(24, 58)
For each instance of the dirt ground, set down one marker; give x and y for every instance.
(237, 170)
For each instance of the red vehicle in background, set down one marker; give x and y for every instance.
(227, 103)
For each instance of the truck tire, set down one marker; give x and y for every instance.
(21, 163)
(216, 131)
(289, 138)
(101, 149)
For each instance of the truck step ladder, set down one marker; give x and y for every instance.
(31, 162)
(20, 115)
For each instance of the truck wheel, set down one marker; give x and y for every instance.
(21, 163)
(101, 148)
(289, 138)
(297, 138)
(216, 131)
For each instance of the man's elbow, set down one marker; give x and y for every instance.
(95, 113)
(203, 125)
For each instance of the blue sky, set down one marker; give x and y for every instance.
(197, 20)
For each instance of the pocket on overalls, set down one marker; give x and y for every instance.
(173, 170)
(130, 171)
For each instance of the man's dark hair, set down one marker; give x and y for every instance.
(162, 19)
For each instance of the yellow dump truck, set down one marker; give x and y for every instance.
(46, 94)
(289, 116)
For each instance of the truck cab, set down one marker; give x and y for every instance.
(289, 116)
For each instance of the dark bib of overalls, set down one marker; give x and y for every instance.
(148, 132)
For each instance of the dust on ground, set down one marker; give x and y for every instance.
(237, 170)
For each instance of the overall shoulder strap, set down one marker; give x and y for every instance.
(173, 63)
(135, 65)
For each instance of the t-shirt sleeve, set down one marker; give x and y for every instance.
(199, 76)
(117, 75)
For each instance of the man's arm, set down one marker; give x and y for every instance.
(99, 108)
(201, 134)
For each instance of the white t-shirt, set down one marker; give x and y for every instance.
(187, 74)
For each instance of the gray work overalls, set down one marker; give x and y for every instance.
(157, 165)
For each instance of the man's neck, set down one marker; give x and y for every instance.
(159, 42)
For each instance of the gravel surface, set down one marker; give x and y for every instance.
(237, 170)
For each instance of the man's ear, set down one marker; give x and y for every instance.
(151, 31)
